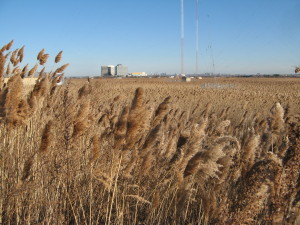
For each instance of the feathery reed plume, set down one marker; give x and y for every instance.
(16, 71)
(58, 57)
(8, 70)
(41, 74)
(27, 168)
(222, 126)
(194, 144)
(136, 120)
(171, 147)
(151, 139)
(252, 192)
(161, 111)
(249, 150)
(46, 138)
(3, 48)
(9, 45)
(33, 70)
(7, 54)
(81, 122)
(40, 89)
(278, 118)
(24, 71)
(205, 162)
(2, 69)
(61, 69)
(13, 105)
(21, 53)
(95, 149)
(14, 59)
(84, 90)
(121, 127)
(43, 59)
(147, 163)
(41, 53)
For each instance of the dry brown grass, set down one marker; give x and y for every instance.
(149, 151)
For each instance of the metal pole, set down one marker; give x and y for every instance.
(182, 38)
(197, 36)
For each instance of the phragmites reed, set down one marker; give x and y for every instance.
(136, 119)
(33, 70)
(41, 74)
(24, 71)
(144, 161)
(95, 149)
(205, 161)
(14, 108)
(278, 118)
(43, 59)
(8, 46)
(2, 69)
(161, 111)
(41, 53)
(21, 53)
(121, 127)
(84, 91)
(58, 57)
(46, 138)
(81, 122)
(16, 71)
(8, 70)
(14, 59)
(61, 69)
(249, 152)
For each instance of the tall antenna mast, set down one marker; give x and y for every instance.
(197, 36)
(182, 37)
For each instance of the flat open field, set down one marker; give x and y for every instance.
(253, 94)
(150, 151)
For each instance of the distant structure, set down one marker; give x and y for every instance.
(121, 70)
(186, 79)
(142, 74)
(182, 36)
(111, 70)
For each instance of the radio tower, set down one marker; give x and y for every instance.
(182, 37)
(197, 36)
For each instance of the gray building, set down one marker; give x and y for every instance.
(104, 71)
(108, 70)
(121, 70)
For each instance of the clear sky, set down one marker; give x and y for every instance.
(235, 36)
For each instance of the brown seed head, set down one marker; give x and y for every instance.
(33, 70)
(58, 57)
(41, 53)
(43, 59)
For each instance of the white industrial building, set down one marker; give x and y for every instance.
(112, 70)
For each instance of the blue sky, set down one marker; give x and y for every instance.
(235, 36)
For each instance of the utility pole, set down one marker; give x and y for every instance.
(182, 37)
(197, 36)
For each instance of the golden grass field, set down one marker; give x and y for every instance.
(148, 151)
